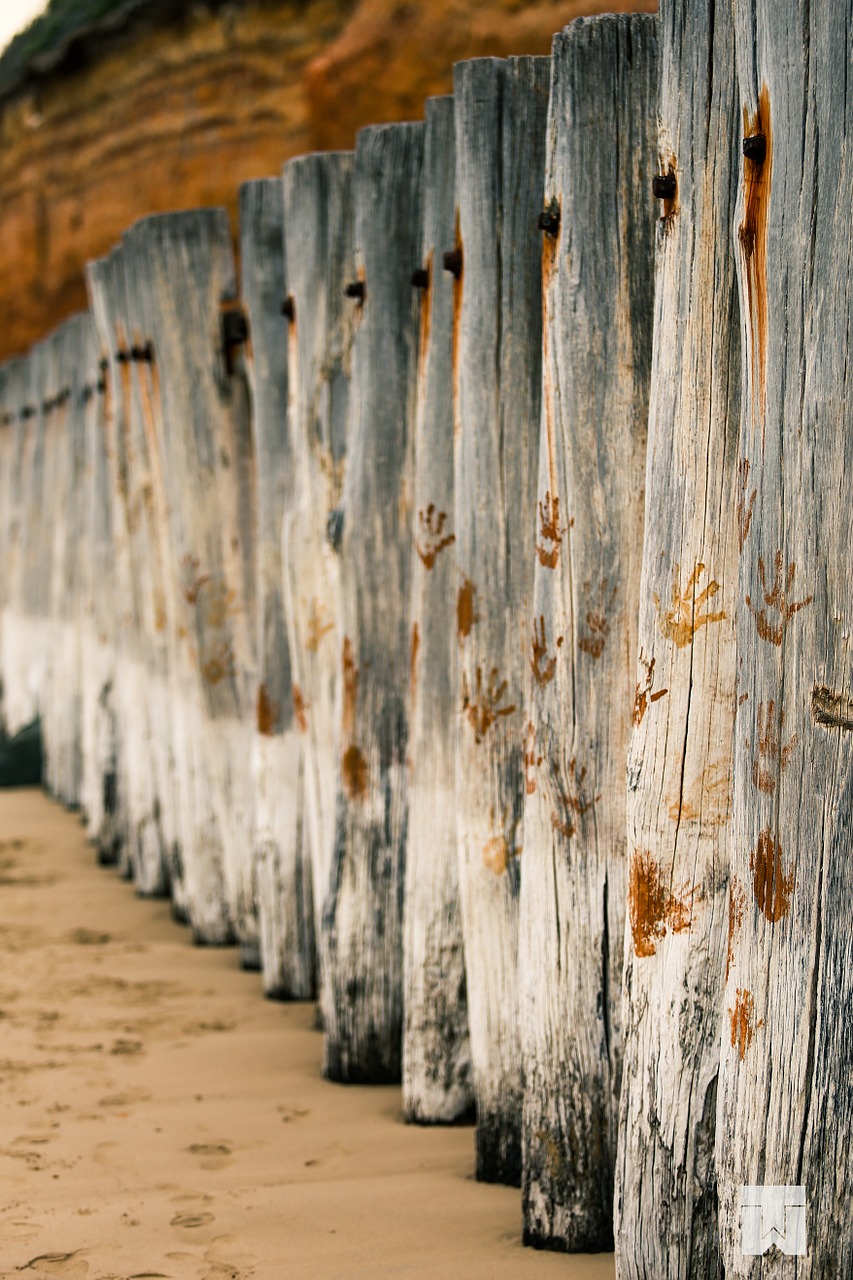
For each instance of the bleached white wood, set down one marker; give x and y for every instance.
(786, 1085)
(361, 941)
(18, 431)
(318, 231)
(598, 286)
(679, 765)
(500, 117)
(437, 1085)
(285, 905)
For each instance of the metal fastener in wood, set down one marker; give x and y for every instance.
(453, 262)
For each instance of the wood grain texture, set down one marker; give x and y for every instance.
(282, 863)
(362, 944)
(786, 1101)
(318, 229)
(598, 288)
(679, 764)
(437, 1084)
(500, 121)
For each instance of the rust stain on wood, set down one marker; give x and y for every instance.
(483, 705)
(354, 772)
(681, 622)
(772, 618)
(541, 665)
(573, 803)
(457, 328)
(531, 759)
(300, 708)
(266, 712)
(549, 531)
(193, 580)
(350, 679)
(745, 502)
(743, 1024)
(496, 855)
(426, 313)
(432, 539)
(737, 906)
(413, 661)
(318, 627)
(466, 613)
(771, 887)
(220, 603)
(643, 695)
(772, 757)
(652, 907)
(833, 710)
(752, 234)
(549, 262)
(219, 664)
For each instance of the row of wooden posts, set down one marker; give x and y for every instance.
(346, 591)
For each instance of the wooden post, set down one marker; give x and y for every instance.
(362, 944)
(20, 428)
(285, 905)
(786, 1096)
(29, 639)
(437, 1083)
(501, 112)
(319, 321)
(598, 282)
(679, 765)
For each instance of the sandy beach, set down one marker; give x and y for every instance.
(159, 1118)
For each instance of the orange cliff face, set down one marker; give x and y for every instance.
(177, 112)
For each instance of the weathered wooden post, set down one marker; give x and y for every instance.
(319, 320)
(500, 116)
(437, 1083)
(30, 639)
(362, 944)
(679, 766)
(598, 282)
(786, 1095)
(18, 430)
(144, 856)
(285, 905)
(200, 406)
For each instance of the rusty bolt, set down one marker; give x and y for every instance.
(104, 365)
(123, 356)
(87, 393)
(355, 290)
(663, 186)
(143, 354)
(288, 307)
(101, 385)
(549, 219)
(755, 148)
(235, 327)
(453, 262)
(420, 278)
(28, 411)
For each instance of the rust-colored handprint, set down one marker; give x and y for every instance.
(541, 665)
(743, 1024)
(772, 756)
(745, 502)
(501, 848)
(220, 602)
(653, 906)
(776, 601)
(680, 623)
(548, 550)
(573, 803)
(318, 627)
(193, 581)
(597, 622)
(432, 539)
(771, 886)
(643, 695)
(531, 759)
(267, 710)
(219, 664)
(485, 704)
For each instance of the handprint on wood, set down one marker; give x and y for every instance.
(192, 581)
(219, 664)
(541, 665)
(572, 802)
(432, 539)
(548, 550)
(771, 620)
(485, 704)
(680, 623)
(643, 695)
(745, 502)
(597, 622)
(772, 757)
(318, 627)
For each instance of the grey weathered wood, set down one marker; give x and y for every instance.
(786, 1089)
(582, 634)
(318, 230)
(679, 766)
(362, 916)
(30, 630)
(21, 432)
(209, 474)
(437, 1083)
(285, 904)
(500, 117)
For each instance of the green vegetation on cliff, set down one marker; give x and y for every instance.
(46, 41)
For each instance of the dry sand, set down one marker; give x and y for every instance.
(159, 1118)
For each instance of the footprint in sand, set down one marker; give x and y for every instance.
(89, 937)
(190, 1220)
(127, 1047)
(72, 1266)
(289, 1114)
(212, 1155)
(127, 1099)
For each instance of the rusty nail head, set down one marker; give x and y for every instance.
(235, 328)
(755, 148)
(453, 262)
(420, 278)
(663, 186)
(122, 356)
(288, 308)
(355, 290)
(549, 219)
(144, 354)
(104, 365)
(101, 385)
